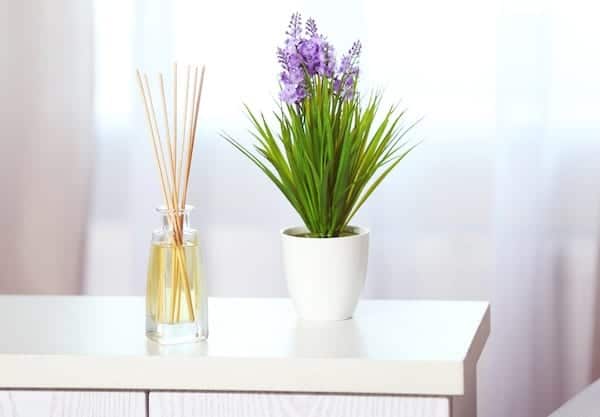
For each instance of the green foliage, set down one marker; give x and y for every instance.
(328, 154)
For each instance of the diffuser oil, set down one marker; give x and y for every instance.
(176, 301)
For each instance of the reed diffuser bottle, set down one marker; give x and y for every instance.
(176, 301)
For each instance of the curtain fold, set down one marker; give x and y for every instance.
(47, 140)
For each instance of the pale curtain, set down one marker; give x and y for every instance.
(46, 92)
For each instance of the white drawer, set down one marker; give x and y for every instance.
(214, 404)
(72, 404)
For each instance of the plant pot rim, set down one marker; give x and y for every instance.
(293, 231)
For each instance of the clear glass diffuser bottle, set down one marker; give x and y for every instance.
(176, 300)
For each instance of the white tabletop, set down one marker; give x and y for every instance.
(391, 346)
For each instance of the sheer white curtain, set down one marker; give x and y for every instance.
(500, 202)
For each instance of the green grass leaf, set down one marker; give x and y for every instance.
(327, 155)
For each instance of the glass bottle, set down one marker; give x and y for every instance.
(176, 300)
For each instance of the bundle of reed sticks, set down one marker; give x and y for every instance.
(178, 137)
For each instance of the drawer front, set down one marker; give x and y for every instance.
(209, 404)
(72, 404)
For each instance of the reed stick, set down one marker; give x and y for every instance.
(151, 122)
(160, 297)
(185, 113)
(186, 285)
(192, 135)
(168, 136)
(177, 235)
(174, 283)
(175, 125)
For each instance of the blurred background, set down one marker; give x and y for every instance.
(501, 201)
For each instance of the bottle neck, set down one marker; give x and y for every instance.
(167, 220)
(174, 219)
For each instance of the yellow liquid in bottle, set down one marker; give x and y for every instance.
(174, 283)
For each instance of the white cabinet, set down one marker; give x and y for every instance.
(72, 404)
(88, 356)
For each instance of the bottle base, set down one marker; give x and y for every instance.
(174, 333)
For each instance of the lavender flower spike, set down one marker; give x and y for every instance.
(311, 28)
(310, 55)
(356, 49)
(295, 26)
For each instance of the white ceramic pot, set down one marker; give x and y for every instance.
(325, 276)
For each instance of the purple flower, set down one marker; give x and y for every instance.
(291, 45)
(291, 93)
(282, 58)
(295, 26)
(288, 93)
(348, 72)
(295, 61)
(309, 49)
(311, 28)
(349, 61)
(294, 76)
(344, 64)
(304, 57)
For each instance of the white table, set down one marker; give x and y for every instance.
(90, 357)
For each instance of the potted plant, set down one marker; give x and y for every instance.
(326, 149)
